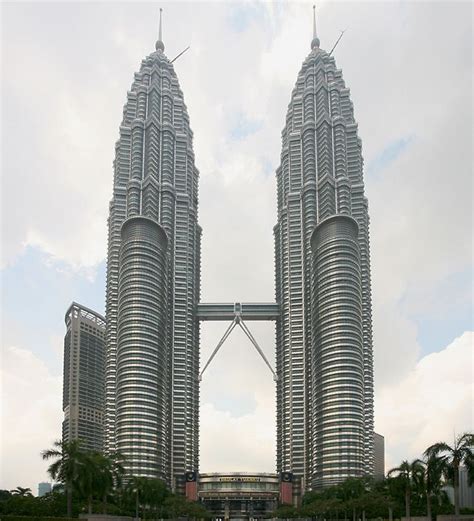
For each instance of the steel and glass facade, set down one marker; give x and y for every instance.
(379, 457)
(153, 281)
(142, 401)
(324, 333)
(83, 377)
(323, 317)
(337, 419)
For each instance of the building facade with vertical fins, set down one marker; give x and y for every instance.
(324, 367)
(324, 334)
(83, 377)
(379, 456)
(153, 281)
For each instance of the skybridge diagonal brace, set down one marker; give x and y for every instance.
(219, 345)
(246, 330)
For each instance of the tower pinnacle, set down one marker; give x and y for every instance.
(315, 40)
(159, 45)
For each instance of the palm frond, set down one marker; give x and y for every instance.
(54, 469)
(401, 468)
(469, 463)
(436, 449)
(465, 440)
(51, 453)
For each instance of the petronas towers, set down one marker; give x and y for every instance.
(322, 265)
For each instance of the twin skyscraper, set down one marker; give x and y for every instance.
(324, 373)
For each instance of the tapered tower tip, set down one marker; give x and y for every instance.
(159, 45)
(315, 41)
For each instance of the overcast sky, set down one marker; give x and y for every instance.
(66, 68)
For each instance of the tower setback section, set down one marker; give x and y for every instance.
(153, 281)
(337, 420)
(324, 333)
(143, 379)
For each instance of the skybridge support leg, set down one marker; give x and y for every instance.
(246, 330)
(238, 320)
(219, 345)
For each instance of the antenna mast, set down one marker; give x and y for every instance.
(180, 54)
(337, 41)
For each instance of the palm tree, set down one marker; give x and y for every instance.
(408, 473)
(103, 474)
(135, 488)
(351, 490)
(430, 480)
(158, 492)
(90, 476)
(22, 492)
(67, 468)
(451, 458)
(112, 472)
(149, 494)
(384, 492)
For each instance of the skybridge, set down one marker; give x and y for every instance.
(237, 313)
(248, 311)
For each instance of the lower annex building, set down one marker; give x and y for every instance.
(84, 377)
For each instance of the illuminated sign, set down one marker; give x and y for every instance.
(241, 479)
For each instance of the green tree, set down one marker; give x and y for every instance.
(385, 491)
(286, 512)
(451, 458)
(5, 494)
(178, 506)
(159, 493)
(22, 492)
(91, 478)
(408, 474)
(430, 480)
(354, 494)
(67, 467)
(148, 494)
(99, 476)
(351, 490)
(196, 511)
(111, 476)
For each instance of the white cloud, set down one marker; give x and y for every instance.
(240, 444)
(396, 346)
(30, 420)
(430, 403)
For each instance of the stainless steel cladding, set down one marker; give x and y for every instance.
(143, 356)
(337, 385)
(320, 175)
(155, 177)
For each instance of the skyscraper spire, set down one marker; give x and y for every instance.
(315, 41)
(160, 46)
(314, 21)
